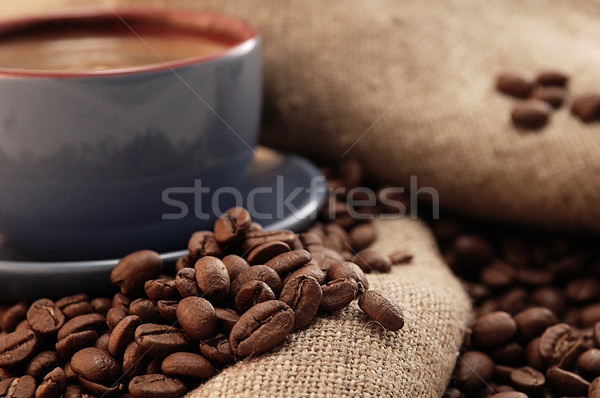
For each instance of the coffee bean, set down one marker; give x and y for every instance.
(121, 301)
(80, 323)
(102, 342)
(582, 290)
(156, 386)
(161, 289)
(594, 389)
(187, 364)
(42, 363)
(553, 78)
(13, 316)
(226, 318)
(257, 238)
(517, 83)
(266, 251)
(565, 382)
(346, 269)
(168, 309)
(75, 305)
(18, 387)
(261, 328)
(527, 379)
(362, 236)
(146, 309)
(114, 316)
(303, 294)
(231, 226)
(473, 370)
(471, 252)
(76, 341)
(70, 373)
(203, 243)
(453, 393)
(381, 308)
(160, 340)
(533, 321)
(586, 107)
(555, 96)
(154, 366)
(555, 341)
(217, 349)
(74, 391)
(257, 273)
(338, 294)
(135, 360)
(197, 317)
(17, 347)
(95, 365)
(589, 362)
(511, 353)
(572, 351)
(401, 257)
(45, 317)
(289, 261)
(185, 282)
(498, 274)
(212, 277)
(100, 389)
(309, 269)
(123, 334)
(183, 262)
(502, 373)
(4, 374)
(133, 270)
(372, 260)
(235, 265)
(509, 394)
(53, 385)
(532, 113)
(493, 329)
(252, 293)
(514, 300)
(101, 305)
(589, 315)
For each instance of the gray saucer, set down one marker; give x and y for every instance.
(282, 200)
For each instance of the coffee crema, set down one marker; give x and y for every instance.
(94, 50)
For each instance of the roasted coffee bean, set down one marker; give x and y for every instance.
(123, 334)
(95, 365)
(261, 328)
(551, 298)
(156, 386)
(289, 261)
(24, 324)
(187, 364)
(42, 363)
(303, 294)
(266, 251)
(146, 309)
(197, 317)
(532, 113)
(309, 269)
(553, 78)
(133, 270)
(533, 321)
(75, 391)
(582, 290)
(161, 289)
(168, 309)
(453, 393)
(114, 316)
(102, 342)
(252, 293)
(217, 349)
(527, 379)
(76, 341)
(572, 351)
(101, 305)
(471, 252)
(381, 308)
(185, 282)
(498, 274)
(362, 236)
(70, 373)
(517, 83)
(493, 329)
(346, 269)
(231, 226)
(212, 277)
(257, 238)
(588, 315)
(401, 257)
(161, 340)
(4, 374)
(154, 366)
(589, 362)
(594, 388)
(372, 260)
(121, 301)
(17, 347)
(338, 294)
(235, 265)
(80, 323)
(555, 96)
(226, 318)
(511, 353)
(567, 383)
(556, 341)
(473, 370)
(513, 301)
(203, 243)
(13, 316)
(586, 107)
(257, 273)
(45, 317)
(18, 387)
(53, 385)
(183, 262)
(135, 360)
(509, 394)
(77, 304)
(100, 389)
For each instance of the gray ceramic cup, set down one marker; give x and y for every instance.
(92, 160)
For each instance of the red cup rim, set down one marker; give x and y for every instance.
(239, 32)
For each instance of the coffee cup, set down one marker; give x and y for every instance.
(109, 118)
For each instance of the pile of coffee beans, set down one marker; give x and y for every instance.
(238, 293)
(536, 296)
